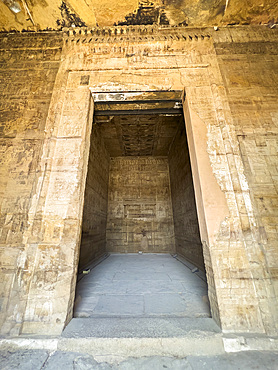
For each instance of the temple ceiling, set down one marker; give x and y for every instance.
(138, 135)
(56, 14)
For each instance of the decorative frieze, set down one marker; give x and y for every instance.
(134, 34)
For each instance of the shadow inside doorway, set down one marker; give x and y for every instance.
(140, 197)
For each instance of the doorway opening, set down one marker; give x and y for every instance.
(139, 209)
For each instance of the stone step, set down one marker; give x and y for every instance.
(111, 339)
(114, 340)
(140, 327)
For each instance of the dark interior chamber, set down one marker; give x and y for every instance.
(139, 191)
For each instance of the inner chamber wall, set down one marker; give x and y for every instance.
(139, 203)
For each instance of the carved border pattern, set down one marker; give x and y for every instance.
(134, 34)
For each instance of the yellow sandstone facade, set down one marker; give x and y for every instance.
(227, 80)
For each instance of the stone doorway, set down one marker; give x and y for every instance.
(139, 195)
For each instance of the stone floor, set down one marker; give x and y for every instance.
(140, 312)
(147, 285)
(58, 360)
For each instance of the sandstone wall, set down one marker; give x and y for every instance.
(28, 68)
(187, 235)
(231, 134)
(140, 214)
(93, 241)
(250, 78)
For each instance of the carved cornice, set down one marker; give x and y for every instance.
(134, 34)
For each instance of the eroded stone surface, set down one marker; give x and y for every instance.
(27, 359)
(23, 359)
(54, 14)
(228, 76)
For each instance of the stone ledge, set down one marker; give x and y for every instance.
(114, 350)
(139, 347)
(140, 327)
(247, 342)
